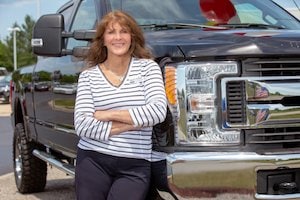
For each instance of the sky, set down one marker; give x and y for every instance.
(15, 11)
(12, 11)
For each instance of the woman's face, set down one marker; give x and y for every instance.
(117, 39)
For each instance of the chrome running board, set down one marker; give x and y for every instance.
(69, 169)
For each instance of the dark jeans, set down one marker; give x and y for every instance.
(100, 176)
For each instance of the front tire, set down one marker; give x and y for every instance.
(30, 172)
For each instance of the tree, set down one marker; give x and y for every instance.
(5, 60)
(24, 50)
(26, 57)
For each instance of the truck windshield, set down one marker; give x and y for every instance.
(203, 13)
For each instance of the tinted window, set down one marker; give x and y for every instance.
(85, 18)
(67, 12)
(207, 12)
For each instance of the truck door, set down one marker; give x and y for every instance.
(56, 84)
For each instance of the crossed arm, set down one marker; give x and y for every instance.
(121, 120)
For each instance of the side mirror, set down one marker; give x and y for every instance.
(48, 37)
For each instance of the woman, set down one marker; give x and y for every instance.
(120, 97)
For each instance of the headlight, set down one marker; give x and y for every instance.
(196, 102)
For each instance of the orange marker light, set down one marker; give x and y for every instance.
(170, 84)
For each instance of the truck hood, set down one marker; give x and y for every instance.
(236, 42)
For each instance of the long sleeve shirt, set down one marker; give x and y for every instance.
(141, 93)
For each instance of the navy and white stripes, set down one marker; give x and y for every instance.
(141, 92)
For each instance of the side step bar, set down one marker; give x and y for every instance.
(69, 169)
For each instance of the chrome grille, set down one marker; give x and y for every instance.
(236, 107)
(285, 137)
(274, 67)
(284, 134)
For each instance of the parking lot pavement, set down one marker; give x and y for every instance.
(5, 109)
(59, 187)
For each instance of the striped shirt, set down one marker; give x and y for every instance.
(141, 93)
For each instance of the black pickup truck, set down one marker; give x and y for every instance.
(232, 76)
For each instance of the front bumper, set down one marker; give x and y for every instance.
(212, 174)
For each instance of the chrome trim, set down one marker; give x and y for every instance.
(179, 157)
(66, 130)
(69, 169)
(265, 102)
(276, 115)
(216, 173)
(58, 127)
(279, 197)
(277, 89)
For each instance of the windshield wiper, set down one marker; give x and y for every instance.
(250, 25)
(178, 26)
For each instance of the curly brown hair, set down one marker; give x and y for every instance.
(98, 52)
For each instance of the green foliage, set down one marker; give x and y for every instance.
(5, 60)
(24, 51)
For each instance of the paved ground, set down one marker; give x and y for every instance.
(4, 109)
(59, 186)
